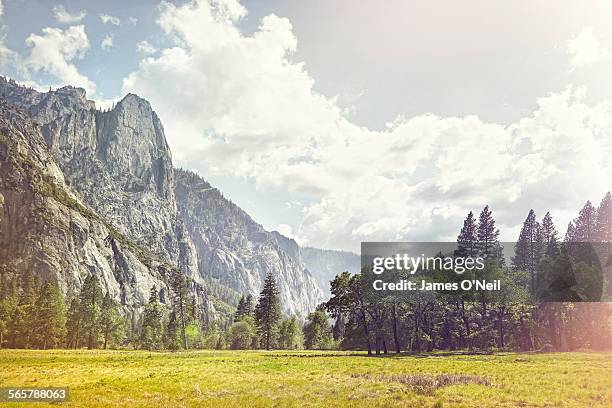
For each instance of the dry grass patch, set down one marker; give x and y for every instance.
(428, 384)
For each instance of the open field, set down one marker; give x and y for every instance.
(299, 379)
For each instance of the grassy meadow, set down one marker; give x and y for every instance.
(307, 378)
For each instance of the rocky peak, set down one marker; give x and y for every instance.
(131, 140)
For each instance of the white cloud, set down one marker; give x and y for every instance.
(585, 49)
(238, 105)
(65, 17)
(145, 48)
(108, 19)
(107, 42)
(53, 52)
(132, 20)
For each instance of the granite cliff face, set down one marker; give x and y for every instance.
(46, 229)
(118, 164)
(237, 252)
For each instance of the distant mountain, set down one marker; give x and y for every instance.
(325, 264)
(117, 164)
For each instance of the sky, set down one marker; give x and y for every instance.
(336, 122)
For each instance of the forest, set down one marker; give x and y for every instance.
(537, 308)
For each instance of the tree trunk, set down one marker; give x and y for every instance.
(366, 331)
(502, 342)
(395, 336)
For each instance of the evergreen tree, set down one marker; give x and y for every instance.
(584, 225)
(548, 230)
(151, 334)
(180, 298)
(245, 307)
(528, 248)
(50, 318)
(466, 241)
(603, 223)
(22, 325)
(240, 310)
(172, 335)
(111, 323)
(74, 324)
(487, 236)
(267, 313)
(91, 307)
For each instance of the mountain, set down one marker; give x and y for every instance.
(117, 164)
(325, 264)
(237, 252)
(46, 228)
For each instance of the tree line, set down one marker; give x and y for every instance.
(34, 314)
(523, 315)
(546, 302)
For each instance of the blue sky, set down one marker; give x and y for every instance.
(343, 121)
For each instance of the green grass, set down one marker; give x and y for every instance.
(302, 379)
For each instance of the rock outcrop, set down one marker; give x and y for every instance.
(117, 163)
(47, 229)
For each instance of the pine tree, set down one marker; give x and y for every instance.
(240, 310)
(529, 248)
(91, 307)
(603, 223)
(548, 230)
(466, 241)
(110, 320)
(245, 308)
(50, 318)
(180, 297)
(584, 225)
(22, 325)
(172, 338)
(151, 334)
(487, 236)
(249, 305)
(74, 324)
(267, 313)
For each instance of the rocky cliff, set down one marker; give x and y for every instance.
(237, 252)
(117, 162)
(46, 228)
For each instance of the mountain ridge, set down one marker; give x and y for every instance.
(118, 162)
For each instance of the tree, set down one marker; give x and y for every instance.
(585, 225)
(487, 236)
(467, 239)
(91, 306)
(21, 324)
(111, 323)
(151, 334)
(529, 247)
(267, 313)
(180, 295)
(290, 334)
(317, 332)
(242, 335)
(50, 318)
(548, 230)
(245, 308)
(172, 338)
(74, 324)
